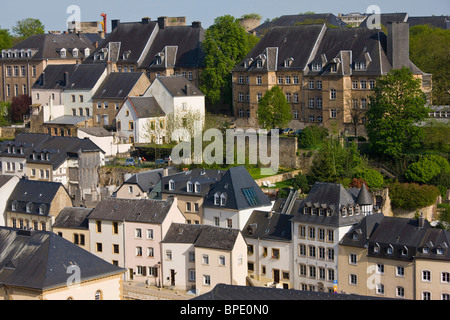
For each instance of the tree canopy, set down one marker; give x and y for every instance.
(6, 39)
(28, 27)
(225, 44)
(396, 106)
(273, 110)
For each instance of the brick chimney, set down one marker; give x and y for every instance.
(398, 44)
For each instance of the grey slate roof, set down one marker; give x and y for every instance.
(234, 184)
(146, 107)
(85, 76)
(142, 211)
(442, 22)
(203, 236)
(39, 260)
(73, 218)
(224, 292)
(179, 86)
(97, 131)
(149, 179)
(118, 85)
(69, 120)
(268, 226)
(4, 179)
(58, 148)
(36, 193)
(48, 45)
(385, 18)
(53, 77)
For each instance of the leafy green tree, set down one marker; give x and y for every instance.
(312, 137)
(225, 44)
(273, 110)
(28, 27)
(5, 39)
(372, 177)
(396, 105)
(412, 196)
(300, 181)
(430, 52)
(427, 169)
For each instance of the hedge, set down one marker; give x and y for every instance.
(412, 196)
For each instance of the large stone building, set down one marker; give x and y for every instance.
(327, 74)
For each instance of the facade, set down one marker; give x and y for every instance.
(327, 74)
(115, 89)
(231, 201)
(34, 205)
(198, 257)
(325, 216)
(7, 185)
(56, 269)
(127, 233)
(395, 258)
(269, 247)
(72, 224)
(22, 64)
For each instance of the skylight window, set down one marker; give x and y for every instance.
(251, 197)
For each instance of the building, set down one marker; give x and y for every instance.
(269, 247)
(34, 205)
(395, 258)
(322, 220)
(127, 233)
(191, 189)
(38, 265)
(71, 161)
(112, 93)
(22, 64)
(353, 19)
(72, 224)
(141, 184)
(231, 201)
(198, 257)
(7, 185)
(326, 74)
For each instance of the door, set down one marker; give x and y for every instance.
(276, 276)
(172, 277)
(131, 273)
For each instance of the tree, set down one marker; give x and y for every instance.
(225, 44)
(20, 106)
(427, 169)
(5, 39)
(396, 106)
(300, 181)
(28, 27)
(274, 110)
(312, 136)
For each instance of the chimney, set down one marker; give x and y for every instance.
(421, 221)
(146, 20)
(66, 79)
(162, 22)
(196, 24)
(114, 24)
(398, 44)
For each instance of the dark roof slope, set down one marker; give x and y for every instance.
(142, 210)
(118, 85)
(268, 225)
(85, 76)
(203, 236)
(385, 18)
(39, 260)
(179, 86)
(149, 179)
(53, 77)
(223, 292)
(36, 193)
(442, 22)
(360, 233)
(73, 218)
(240, 189)
(146, 107)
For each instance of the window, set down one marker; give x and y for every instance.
(258, 80)
(115, 227)
(197, 187)
(400, 292)
(333, 113)
(400, 271)
(380, 288)
(216, 199)
(207, 280)
(311, 233)
(380, 268)
(115, 248)
(171, 185)
(169, 255)
(28, 207)
(333, 94)
(139, 251)
(312, 251)
(275, 253)
(311, 84)
(190, 186)
(445, 277)
(99, 247)
(205, 259)
(221, 260)
(191, 275)
(426, 275)
(316, 66)
(353, 279)
(98, 225)
(280, 79)
(259, 64)
(352, 259)
(150, 234)
(138, 233)
(98, 295)
(302, 250)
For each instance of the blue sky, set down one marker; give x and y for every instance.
(53, 14)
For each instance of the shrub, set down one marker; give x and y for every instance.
(312, 136)
(372, 177)
(412, 196)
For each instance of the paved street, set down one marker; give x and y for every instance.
(141, 291)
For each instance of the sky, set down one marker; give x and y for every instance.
(53, 14)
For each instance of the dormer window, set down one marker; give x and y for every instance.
(190, 186)
(389, 250)
(376, 248)
(47, 157)
(333, 67)
(316, 66)
(216, 199)
(34, 156)
(223, 199)
(75, 53)
(288, 62)
(440, 251)
(28, 207)
(9, 149)
(14, 206)
(425, 250)
(42, 209)
(171, 185)
(259, 64)
(87, 52)
(360, 66)
(306, 210)
(197, 187)
(344, 211)
(63, 53)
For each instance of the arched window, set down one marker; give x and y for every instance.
(98, 295)
(190, 187)
(171, 185)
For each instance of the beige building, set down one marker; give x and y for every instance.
(73, 225)
(198, 257)
(395, 258)
(55, 269)
(22, 64)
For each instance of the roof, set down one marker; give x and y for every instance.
(40, 260)
(40, 194)
(4, 179)
(226, 292)
(118, 85)
(442, 22)
(240, 189)
(52, 78)
(385, 18)
(179, 86)
(268, 226)
(360, 233)
(139, 210)
(49, 45)
(56, 150)
(146, 107)
(86, 76)
(331, 196)
(73, 218)
(70, 120)
(203, 236)
(149, 179)
(96, 131)
(180, 45)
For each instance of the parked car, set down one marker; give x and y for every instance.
(288, 131)
(129, 162)
(159, 162)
